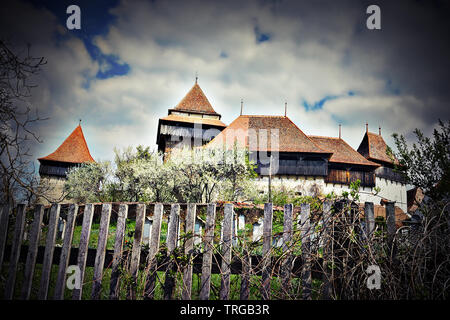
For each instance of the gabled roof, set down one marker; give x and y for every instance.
(73, 150)
(207, 121)
(290, 137)
(373, 147)
(195, 101)
(342, 152)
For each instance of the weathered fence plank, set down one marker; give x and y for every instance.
(369, 218)
(305, 233)
(286, 267)
(15, 253)
(327, 237)
(150, 281)
(267, 245)
(207, 255)
(391, 229)
(101, 248)
(171, 242)
(118, 250)
(49, 248)
(188, 250)
(303, 266)
(245, 275)
(65, 252)
(136, 251)
(226, 251)
(83, 247)
(32, 252)
(4, 219)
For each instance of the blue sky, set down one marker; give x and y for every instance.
(96, 20)
(133, 60)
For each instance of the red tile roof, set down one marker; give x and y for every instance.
(73, 150)
(291, 138)
(373, 147)
(342, 152)
(212, 122)
(195, 101)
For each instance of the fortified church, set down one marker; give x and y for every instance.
(312, 165)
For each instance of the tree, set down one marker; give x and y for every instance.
(89, 182)
(16, 118)
(208, 174)
(141, 175)
(200, 175)
(427, 163)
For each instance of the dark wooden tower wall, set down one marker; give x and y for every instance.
(193, 118)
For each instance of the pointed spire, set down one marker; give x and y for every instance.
(242, 105)
(339, 130)
(195, 101)
(73, 150)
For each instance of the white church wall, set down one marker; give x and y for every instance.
(394, 191)
(312, 186)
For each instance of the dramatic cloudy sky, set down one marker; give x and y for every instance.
(132, 60)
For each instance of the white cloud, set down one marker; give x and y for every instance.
(314, 51)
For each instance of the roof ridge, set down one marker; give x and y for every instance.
(261, 116)
(315, 136)
(307, 136)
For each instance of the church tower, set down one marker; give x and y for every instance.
(193, 122)
(53, 168)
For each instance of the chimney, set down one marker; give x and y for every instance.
(339, 130)
(379, 130)
(367, 127)
(285, 108)
(242, 103)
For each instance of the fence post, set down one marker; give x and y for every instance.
(101, 249)
(49, 248)
(172, 231)
(118, 251)
(327, 236)
(286, 267)
(305, 233)
(188, 250)
(153, 249)
(88, 214)
(65, 252)
(32, 252)
(4, 219)
(267, 244)
(226, 251)
(245, 275)
(369, 218)
(136, 251)
(15, 251)
(207, 254)
(246, 264)
(390, 224)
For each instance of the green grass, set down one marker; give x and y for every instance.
(235, 285)
(235, 280)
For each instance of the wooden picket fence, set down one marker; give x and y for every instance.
(81, 256)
